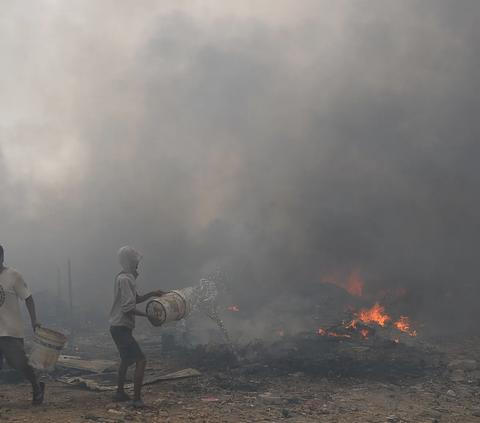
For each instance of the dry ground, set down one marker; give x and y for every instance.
(243, 397)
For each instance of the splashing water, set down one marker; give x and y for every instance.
(204, 297)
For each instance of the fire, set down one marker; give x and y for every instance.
(77, 349)
(378, 315)
(323, 333)
(341, 336)
(234, 308)
(352, 325)
(397, 340)
(375, 314)
(280, 333)
(354, 285)
(403, 324)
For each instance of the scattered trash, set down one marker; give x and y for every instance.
(94, 366)
(97, 384)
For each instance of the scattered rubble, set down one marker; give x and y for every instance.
(94, 366)
(386, 376)
(108, 382)
(464, 365)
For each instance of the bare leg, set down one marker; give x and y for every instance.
(122, 375)
(30, 375)
(138, 378)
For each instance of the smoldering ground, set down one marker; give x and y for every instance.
(283, 143)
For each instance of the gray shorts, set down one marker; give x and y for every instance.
(127, 346)
(13, 351)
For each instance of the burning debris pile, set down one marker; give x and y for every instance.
(338, 308)
(328, 355)
(367, 322)
(337, 311)
(325, 330)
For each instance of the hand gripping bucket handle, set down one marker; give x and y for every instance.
(169, 307)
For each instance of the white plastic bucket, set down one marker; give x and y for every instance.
(169, 307)
(46, 349)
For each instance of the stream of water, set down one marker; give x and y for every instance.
(204, 297)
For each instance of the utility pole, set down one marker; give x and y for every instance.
(70, 293)
(59, 284)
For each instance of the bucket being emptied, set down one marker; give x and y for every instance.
(46, 349)
(169, 307)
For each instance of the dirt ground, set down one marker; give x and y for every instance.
(268, 394)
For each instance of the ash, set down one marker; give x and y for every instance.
(311, 362)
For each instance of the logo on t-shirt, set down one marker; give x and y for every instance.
(2, 295)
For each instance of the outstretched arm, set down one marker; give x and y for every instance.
(142, 298)
(31, 310)
(129, 300)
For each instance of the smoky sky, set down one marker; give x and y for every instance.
(283, 142)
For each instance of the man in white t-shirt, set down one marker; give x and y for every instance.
(12, 332)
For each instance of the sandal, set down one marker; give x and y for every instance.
(121, 397)
(38, 396)
(139, 404)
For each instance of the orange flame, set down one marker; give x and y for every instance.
(77, 349)
(341, 336)
(323, 333)
(365, 333)
(352, 325)
(375, 314)
(354, 285)
(397, 340)
(234, 308)
(280, 333)
(403, 324)
(378, 315)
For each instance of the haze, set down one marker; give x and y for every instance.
(283, 140)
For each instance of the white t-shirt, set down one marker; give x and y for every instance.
(12, 287)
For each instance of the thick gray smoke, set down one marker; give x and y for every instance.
(286, 142)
